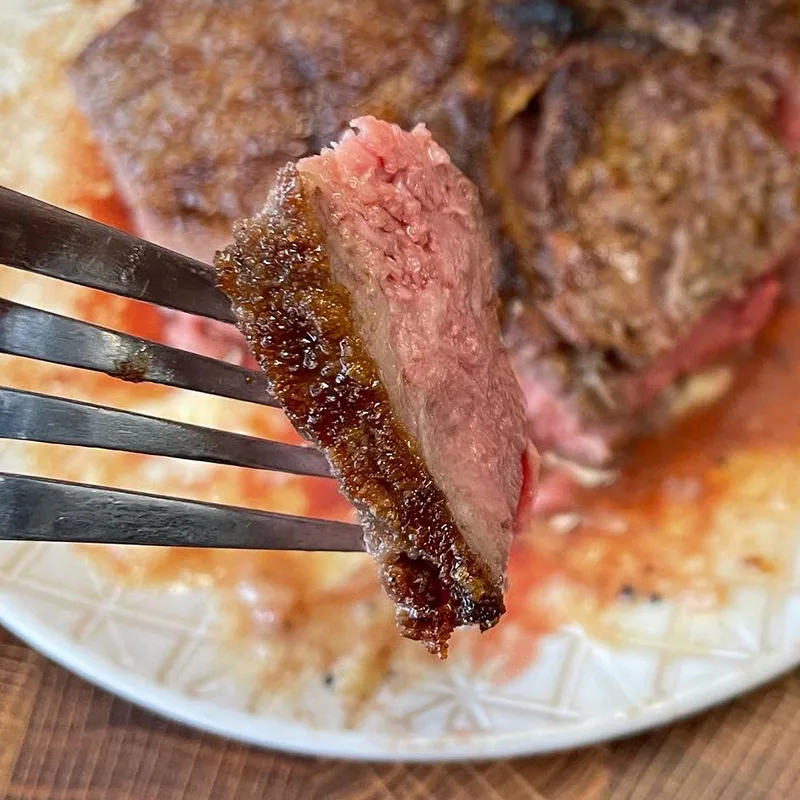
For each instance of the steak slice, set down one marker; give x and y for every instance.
(365, 289)
(649, 197)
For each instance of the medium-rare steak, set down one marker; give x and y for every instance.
(647, 192)
(365, 288)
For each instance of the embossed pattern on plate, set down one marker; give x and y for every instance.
(157, 650)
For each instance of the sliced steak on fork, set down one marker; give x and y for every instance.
(365, 289)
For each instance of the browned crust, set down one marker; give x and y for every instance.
(299, 322)
(763, 33)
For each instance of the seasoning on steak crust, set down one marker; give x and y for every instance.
(647, 192)
(365, 288)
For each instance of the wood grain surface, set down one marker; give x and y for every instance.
(62, 738)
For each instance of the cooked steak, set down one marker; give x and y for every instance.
(647, 191)
(647, 187)
(761, 34)
(365, 288)
(635, 152)
(176, 94)
(197, 103)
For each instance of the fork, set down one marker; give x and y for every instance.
(47, 240)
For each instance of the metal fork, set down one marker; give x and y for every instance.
(46, 240)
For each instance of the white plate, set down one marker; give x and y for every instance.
(156, 649)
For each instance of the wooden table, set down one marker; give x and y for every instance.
(62, 738)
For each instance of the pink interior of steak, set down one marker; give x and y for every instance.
(407, 244)
(556, 424)
(732, 322)
(554, 421)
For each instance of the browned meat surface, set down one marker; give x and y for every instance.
(645, 188)
(764, 32)
(365, 288)
(757, 34)
(516, 39)
(195, 108)
(197, 103)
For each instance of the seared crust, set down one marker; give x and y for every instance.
(653, 187)
(299, 323)
(762, 32)
(198, 103)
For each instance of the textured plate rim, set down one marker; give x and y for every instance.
(297, 738)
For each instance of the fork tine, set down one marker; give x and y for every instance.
(37, 509)
(41, 418)
(41, 238)
(32, 333)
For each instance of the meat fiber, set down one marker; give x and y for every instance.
(649, 197)
(365, 288)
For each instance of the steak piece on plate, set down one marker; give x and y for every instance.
(762, 35)
(365, 288)
(197, 103)
(651, 200)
